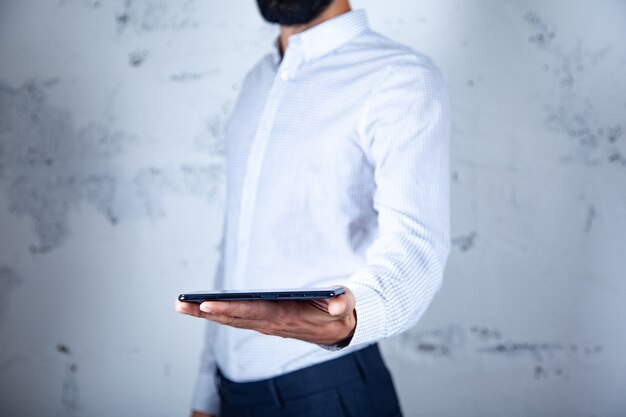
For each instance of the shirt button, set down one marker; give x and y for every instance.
(284, 75)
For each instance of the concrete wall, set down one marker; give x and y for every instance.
(112, 193)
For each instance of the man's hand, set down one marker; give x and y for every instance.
(325, 322)
(199, 414)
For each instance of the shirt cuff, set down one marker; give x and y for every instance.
(371, 314)
(205, 397)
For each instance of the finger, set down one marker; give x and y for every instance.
(320, 304)
(243, 309)
(338, 306)
(342, 304)
(191, 309)
(251, 324)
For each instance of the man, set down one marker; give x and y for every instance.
(338, 173)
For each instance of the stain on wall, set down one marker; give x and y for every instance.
(9, 281)
(544, 359)
(69, 387)
(591, 216)
(51, 167)
(137, 58)
(156, 15)
(571, 111)
(439, 342)
(465, 242)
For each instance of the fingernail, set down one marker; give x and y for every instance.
(205, 307)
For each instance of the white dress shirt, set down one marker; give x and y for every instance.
(337, 173)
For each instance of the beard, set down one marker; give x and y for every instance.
(291, 12)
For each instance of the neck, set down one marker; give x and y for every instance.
(336, 8)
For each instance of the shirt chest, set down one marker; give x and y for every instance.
(308, 125)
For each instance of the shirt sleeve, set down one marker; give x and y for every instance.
(205, 396)
(406, 136)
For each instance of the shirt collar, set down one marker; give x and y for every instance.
(326, 36)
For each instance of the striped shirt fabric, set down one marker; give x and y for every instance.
(337, 173)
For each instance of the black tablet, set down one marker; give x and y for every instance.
(280, 294)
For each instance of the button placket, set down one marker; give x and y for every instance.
(255, 160)
(290, 62)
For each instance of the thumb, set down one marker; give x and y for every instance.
(342, 304)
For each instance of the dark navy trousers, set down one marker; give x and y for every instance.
(354, 385)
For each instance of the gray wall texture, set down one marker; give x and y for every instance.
(112, 194)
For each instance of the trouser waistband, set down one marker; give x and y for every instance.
(302, 382)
